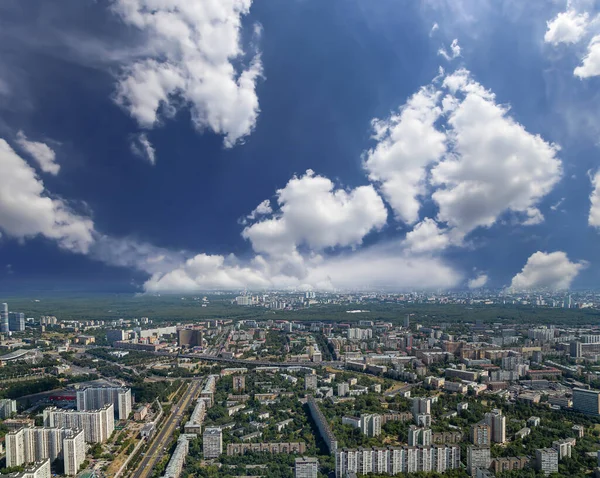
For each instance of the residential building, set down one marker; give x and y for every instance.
(343, 389)
(94, 398)
(74, 452)
(175, 465)
(242, 448)
(586, 401)
(564, 447)
(419, 436)
(370, 425)
(40, 469)
(35, 444)
(478, 457)
(98, 425)
(322, 425)
(497, 424)
(546, 460)
(310, 382)
(306, 467)
(212, 439)
(239, 383)
(481, 434)
(7, 408)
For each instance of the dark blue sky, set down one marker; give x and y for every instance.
(328, 69)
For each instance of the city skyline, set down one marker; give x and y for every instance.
(400, 146)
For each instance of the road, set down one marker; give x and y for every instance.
(155, 451)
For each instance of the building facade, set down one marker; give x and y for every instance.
(98, 425)
(306, 467)
(94, 398)
(212, 445)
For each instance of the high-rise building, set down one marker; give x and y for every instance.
(239, 383)
(212, 442)
(306, 467)
(407, 321)
(190, 337)
(586, 401)
(419, 436)
(478, 458)
(98, 425)
(497, 423)
(546, 460)
(74, 452)
(35, 444)
(310, 382)
(421, 405)
(94, 398)
(370, 425)
(4, 327)
(116, 335)
(576, 349)
(16, 321)
(343, 389)
(481, 434)
(7, 408)
(40, 469)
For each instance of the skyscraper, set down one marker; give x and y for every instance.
(16, 321)
(306, 467)
(4, 327)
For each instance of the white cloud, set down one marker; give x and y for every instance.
(478, 282)
(454, 51)
(495, 165)
(408, 142)
(27, 210)
(566, 27)
(426, 237)
(142, 147)
(41, 152)
(547, 271)
(434, 29)
(590, 66)
(315, 214)
(197, 49)
(375, 267)
(594, 217)
(262, 209)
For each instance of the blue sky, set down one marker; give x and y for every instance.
(171, 146)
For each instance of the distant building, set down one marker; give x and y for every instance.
(481, 434)
(40, 469)
(7, 408)
(497, 423)
(190, 337)
(239, 383)
(546, 460)
(94, 398)
(113, 336)
(478, 457)
(4, 326)
(576, 349)
(212, 439)
(16, 321)
(586, 401)
(306, 467)
(98, 425)
(310, 382)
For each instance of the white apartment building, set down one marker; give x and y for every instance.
(37, 470)
(94, 398)
(7, 408)
(393, 460)
(98, 425)
(37, 444)
(306, 467)
(212, 439)
(497, 423)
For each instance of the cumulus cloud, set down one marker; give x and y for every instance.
(567, 27)
(142, 147)
(196, 61)
(426, 237)
(312, 212)
(594, 217)
(262, 209)
(547, 271)
(43, 154)
(452, 142)
(478, 282)
(375, 267)
(590, 65)
(27, 210)
(434, 29)
(407, 142)
(454, 51)
(495, 164)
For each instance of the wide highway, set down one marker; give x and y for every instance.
(156, 451)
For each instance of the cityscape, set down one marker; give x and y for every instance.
(299, 239)
(272, 396)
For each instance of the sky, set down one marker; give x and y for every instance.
(168, 146)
